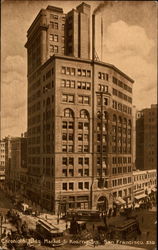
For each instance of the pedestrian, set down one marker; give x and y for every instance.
(66, 226)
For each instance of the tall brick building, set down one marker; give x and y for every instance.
(79, 118)
(146, 138)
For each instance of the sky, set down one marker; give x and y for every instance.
(129, 43)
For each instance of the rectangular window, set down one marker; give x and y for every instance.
(64, 137)
(83, 72)
(64, 186)
(80, 161)
(86, 172)
(63, 70)
(79, 72)
(64, 172)
(71, 186)
(105, 101)
(68, 98)
(71, 172)
(71, 137)
(71, 161)
(88, 73)
(64, 160)
(86, 185)
(80, 185)
(80, 125)
(86, 161)
(80, 172)
(71, 125)
(54, 16)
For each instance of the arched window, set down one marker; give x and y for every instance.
(84, 114)
(68, 113)
(114, 118)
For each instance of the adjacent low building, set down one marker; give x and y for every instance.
(16, 165)
(145, 183)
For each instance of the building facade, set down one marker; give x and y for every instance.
(146, 138)
(16, 165)
(2, 161)
(145, 183)
(79, 126)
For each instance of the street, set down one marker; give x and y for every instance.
(146, 218)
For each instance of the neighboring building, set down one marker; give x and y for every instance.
(16, 164)
(79, 126)
(2, 161)
(2, 155)
(134, 136)
(146, 138)
(145, 182)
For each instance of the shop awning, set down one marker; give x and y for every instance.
(119, 201)
(138, 197)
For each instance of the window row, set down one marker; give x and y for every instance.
(74, 71)
(53, 38)
(70, 125)
(120, 170)
(103, 76)
(121, 95)
(55, 25)
(69, 113)
(121, 107)
(70, 185)
(70, 161)
(53, 49)
(102, 100)
(67, 98)
(116, 160)
(121, 150)
(103, 172)
(70, 148)
(70, 172)
(121, 84)
(118, 182)
(102, 88)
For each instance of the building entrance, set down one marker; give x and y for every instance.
(102, 204)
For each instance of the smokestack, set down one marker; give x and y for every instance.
(93, 37)
(101, 38)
